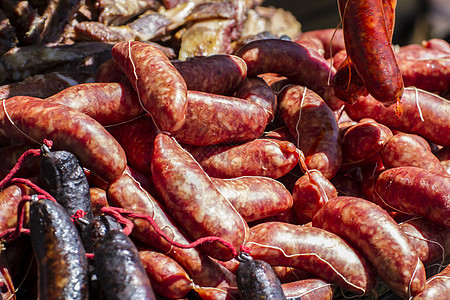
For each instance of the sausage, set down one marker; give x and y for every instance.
(363, 142)
(168, 278)
(424, 113)
(215, 119)
(120, 269)
(314, 128)
(430, 241)
(378, 236)
(259, 157)
(98, 200)
(308, 289)
(331, 38)
(256, 280)
(437, 287)
(68, 128)
(137, 138)
(311, 42)
(9, 200)
(255, 197)
(161, 89)
(415, 191)
(96, 230)
(403, 149)
(297, 63)
(282, 244)
(348, 86)
(192, 199)
(62, 176)
(310, 193)
(256, 90)
(60, 256)
(367, 35)
(127, 193)
(216, 74)
(289, 274)
(107, 103)
(438, 44)
(109, 71)
(432, 75)
(418, 52)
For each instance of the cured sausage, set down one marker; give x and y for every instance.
(60, 256)
(378, 236)
(193, 201)
(160, 87)
(314, 128)
(68, 128)
(415, 191)
(282, 244)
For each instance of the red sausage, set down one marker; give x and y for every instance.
(424, 113)
(260, 157)
(403, 149)
(9, 200)
(314, 127)
(437, 287)
(303, 247)
(107, 103)
(216, 74)
(332, 39)
(192, 199)
(367, 36)
(256, 90)
(160, 87)
(98, 200)
(432, 75)
(377, 235)
(415, 191)
(300, 64)
(215, 119)
(69, 129)
(167, 277)
(255, 197)
(310, 193)
(430, 241)
(137, 138)
(362, 143)
(308, 289)
(127, 193)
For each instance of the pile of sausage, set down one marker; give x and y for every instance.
(333, 168)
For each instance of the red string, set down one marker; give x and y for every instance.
(78, 214)
(116, 211)
(30, 152)
(34, 187)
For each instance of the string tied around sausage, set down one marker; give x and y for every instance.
(120, 213)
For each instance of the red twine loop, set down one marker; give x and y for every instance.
(78, 214)
(118, 213)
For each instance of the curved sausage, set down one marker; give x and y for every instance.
(60, 256)
(308, 289)
(378, 236)
(314, 128)
(260, 157)
(216, 74)
(160, 87)
(193, 200)
(424, 113)
(282, 244)
(255, 197)
(415, 191)
(215, 119)
(68, 128)
(120, 269)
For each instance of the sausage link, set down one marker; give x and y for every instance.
(68, 128)
(255, 197)
(256, 90)
(216, 74)
(308, 289)
(378, 236)
(160, 87)
(193, 200)
(314, 128)
(303, 247)
(415, 191)
(437, 287)
(60, 256)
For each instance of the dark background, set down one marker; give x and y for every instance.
(410, 26)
